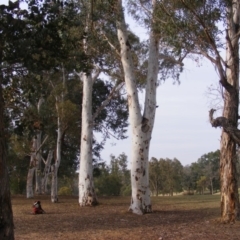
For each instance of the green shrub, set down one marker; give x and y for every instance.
(126, 190)
(64, 191)
(109, 185)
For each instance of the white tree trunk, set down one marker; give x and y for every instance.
(29, 187)
(54, 189)
(87, 194)
(141, 125)
(38, 174)
(31, 170)
(46, 172)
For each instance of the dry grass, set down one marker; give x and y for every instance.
(179, 217)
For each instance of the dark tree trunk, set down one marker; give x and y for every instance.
(229, 79)
(6, 215)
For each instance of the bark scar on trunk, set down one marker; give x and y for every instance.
(145, 127)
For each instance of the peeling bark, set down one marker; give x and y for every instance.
(230, 209)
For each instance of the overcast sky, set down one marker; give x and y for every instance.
(182, 129)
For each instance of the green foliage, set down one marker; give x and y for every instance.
(126, 190)
(165, 176)
(64, 191)
(201, 184)
(17, 169)
(108, 185)
(113, 179)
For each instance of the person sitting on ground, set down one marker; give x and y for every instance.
(37, 208)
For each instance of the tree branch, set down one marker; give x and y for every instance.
(96, 73)
(106, 101)
(227, 126)
(42, 144)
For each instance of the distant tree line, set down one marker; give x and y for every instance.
(166, 176)
(170, 176)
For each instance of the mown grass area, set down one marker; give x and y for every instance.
(178, 217)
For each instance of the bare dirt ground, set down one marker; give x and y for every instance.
(179, 217)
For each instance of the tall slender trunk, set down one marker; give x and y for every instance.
(228, 172)
(46, 172)
(211, 185)
(31, 170)
(54, 189)
(38, 173)
(6, 214)
(87, 194)
(141, 125)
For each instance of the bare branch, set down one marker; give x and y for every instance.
(96, 73)
(44, 160)
(42, 144)
(79, 75)
(106, 101)
(111, 44)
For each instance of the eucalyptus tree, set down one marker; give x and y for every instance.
(210, 168)
(43, 41)
(165, 176)
(100, 60)
(9, 32)
(141, 124)
(160, 60)
(211, 21)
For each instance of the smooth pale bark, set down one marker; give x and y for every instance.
(55, 166)
(38, 163)
(46, 172)
(228, 158)
(141, 125)
(31, 170)
(60, 131)
(6, 214)
(87, 195)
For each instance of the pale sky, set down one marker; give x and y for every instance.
(182, 129)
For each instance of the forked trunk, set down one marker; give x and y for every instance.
(141, 124)
(87, 196)
(46, 172)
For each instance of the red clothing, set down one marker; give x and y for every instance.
(37, 208)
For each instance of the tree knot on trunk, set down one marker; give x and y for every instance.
(227, 125)
(145, 127)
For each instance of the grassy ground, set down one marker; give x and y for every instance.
(178, 217)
